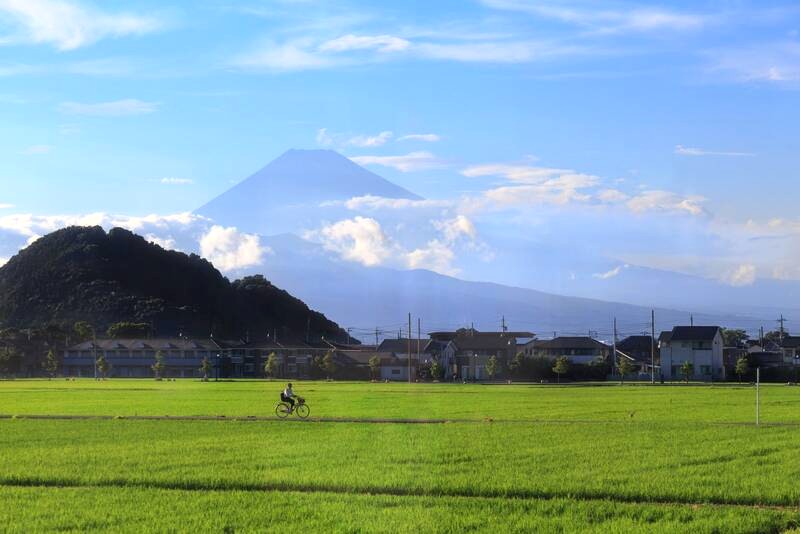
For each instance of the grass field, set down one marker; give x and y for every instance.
(518, 458)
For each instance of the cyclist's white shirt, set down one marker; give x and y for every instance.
(288, 392)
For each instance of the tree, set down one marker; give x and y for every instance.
(9, 360)
(734, 337)
(328, 365)
(687, 370)
(128, 329)
(205, 368)
(491, 367)
(437, 371)
(516, 366)
(374, 366)
(83, 331)
(561, 367)
(271, 365)
(742, 367)
(316, 368)
(103, 367)
(51, 364)
(624, 366)
(774, 336)
(160, 366)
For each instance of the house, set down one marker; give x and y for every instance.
(577, 349)
(465, 353)
(790, 348)
(396, 361)
(700, 345)
(639, 351)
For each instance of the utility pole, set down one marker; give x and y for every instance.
(505, 329)
(653, 346)
(409, 347)
(614, 353)
(691, 320)
(758, 400)
(376, 337)
(419, 336)
(781, 321)
(761, 338)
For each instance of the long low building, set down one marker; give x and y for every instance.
(183, 357)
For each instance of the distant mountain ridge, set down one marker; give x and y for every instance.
(376, 296)
(288, 192)
(86, 274)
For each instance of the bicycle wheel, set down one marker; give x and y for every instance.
(282, 410)
(302, 411)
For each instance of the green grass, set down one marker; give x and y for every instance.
(146, 510)
(586, 465)
(724, 403)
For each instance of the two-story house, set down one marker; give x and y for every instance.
(700, 345)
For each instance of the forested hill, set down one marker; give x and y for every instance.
(86, 274)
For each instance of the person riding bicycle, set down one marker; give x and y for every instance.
(287, 396)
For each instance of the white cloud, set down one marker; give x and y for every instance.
(365, 141)
(666, 201)
(31, 226)
(177, 181)
(230, 250)
(742, 275)
(496, 51)
(380, 43)
(117, 108)
(324, 138)
(516, 173)
(68, 25)
(5, 206)
(360, 240)
(428, 138)
(690, 151)
(605, 19)
(363, 240)
(453, 229)
(435, 256)
(610, 274)
(291, 56)
(37, 150)
(376, 203)
(773, 63)
(167, 242)
(612, 196)
(414, 161)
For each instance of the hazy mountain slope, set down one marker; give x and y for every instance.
(84, 273)
(367, 297)
(287, 193)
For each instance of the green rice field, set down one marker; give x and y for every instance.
(509, 458)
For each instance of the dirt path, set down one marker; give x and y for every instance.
(366, 420)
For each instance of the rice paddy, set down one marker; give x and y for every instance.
(509, 457)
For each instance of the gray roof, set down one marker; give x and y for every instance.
(570, 342)
(400, 345)
(694, 333)
(147, 344)
(636, 344)
(498, 341)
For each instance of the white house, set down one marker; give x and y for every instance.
(699, 345)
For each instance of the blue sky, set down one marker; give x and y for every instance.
(572, 124)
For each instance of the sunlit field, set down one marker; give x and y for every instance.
(507, 457)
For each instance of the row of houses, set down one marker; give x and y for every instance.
(463, 354)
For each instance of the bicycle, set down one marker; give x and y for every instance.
(301, 409)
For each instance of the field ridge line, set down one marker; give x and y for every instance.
(386, 491)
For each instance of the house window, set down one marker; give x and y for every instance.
(395, 371)
(705, 369)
